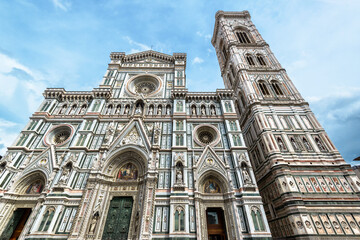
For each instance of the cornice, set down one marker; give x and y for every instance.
(219, 14)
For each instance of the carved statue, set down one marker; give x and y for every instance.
(179, 177)
(168, 110)
(203, 111)
(159, 110)
(193, 110)
(64, 175)
(281, 144)
(157, 132)
(151, 110)
(213, 112)
(138, 109)
(246, 176)
(127, 109)
(93, 223)
(110, 131)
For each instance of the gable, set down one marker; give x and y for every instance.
(209, 160)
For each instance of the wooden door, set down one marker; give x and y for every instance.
(118, 219)
(216, 224)
(16, 224)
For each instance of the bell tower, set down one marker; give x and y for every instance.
(306, 186)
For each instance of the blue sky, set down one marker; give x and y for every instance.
(64, 43)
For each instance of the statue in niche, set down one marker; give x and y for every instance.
(281, 144)
(65, 173)
(213, 112)
(246, 175)
(157, 132)
(179, 178)
(93, 223)
(138, 109)
(294, 144)
(127, 108)
(151, 110)
(211, 186)
(307, 145)
(168, 110)
(179, 173)
(193, 110)
(159, 110)
(203, 111)
(319, 144)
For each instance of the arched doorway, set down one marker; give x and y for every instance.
(29, 188)
(213, 205)
(121, 192)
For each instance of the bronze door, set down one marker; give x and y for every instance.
(118, 219)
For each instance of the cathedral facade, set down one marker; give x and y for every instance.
(141, 157)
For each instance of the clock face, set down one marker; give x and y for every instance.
(145, 85)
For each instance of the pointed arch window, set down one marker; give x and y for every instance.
(179, 125)
(179, 140)
(243, 37)
(257, 220)
(250, 60)
(264, 88)
(261, 60)
(179, 219)
(47, 218)
(179, 106)
(276, 86)
(228, 107)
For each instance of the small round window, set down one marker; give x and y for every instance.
(59, 135)
(206, 135)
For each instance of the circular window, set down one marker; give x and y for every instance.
(206, 135)
(146, 85)
(59, 135)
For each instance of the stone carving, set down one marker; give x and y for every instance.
(151, 110)
(159, 112)
(246, 175)
(213, 112)
(110, 131)
(65, 173)
(157, 131)
(168, 110)
(203, 111)
(281, 144)
(132, 138)
(93, 223)
(193, 110)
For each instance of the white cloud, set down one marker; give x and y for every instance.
(197, 60)
(8, 134)
(142, 47)
(62, 4)
(206, 36)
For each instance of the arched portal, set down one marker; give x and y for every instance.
(118, 205)
(214, 196)
(17, 216)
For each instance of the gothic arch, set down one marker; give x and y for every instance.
(220, 178)
(24, 182)
(114, 161)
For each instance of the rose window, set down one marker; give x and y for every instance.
(146, 85)
(206, 134)
(59, 135)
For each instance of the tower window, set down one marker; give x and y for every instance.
(243, 37)
(261, 60)
(264, 88)
(250, 60)
(276, 87)
(47, 218)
